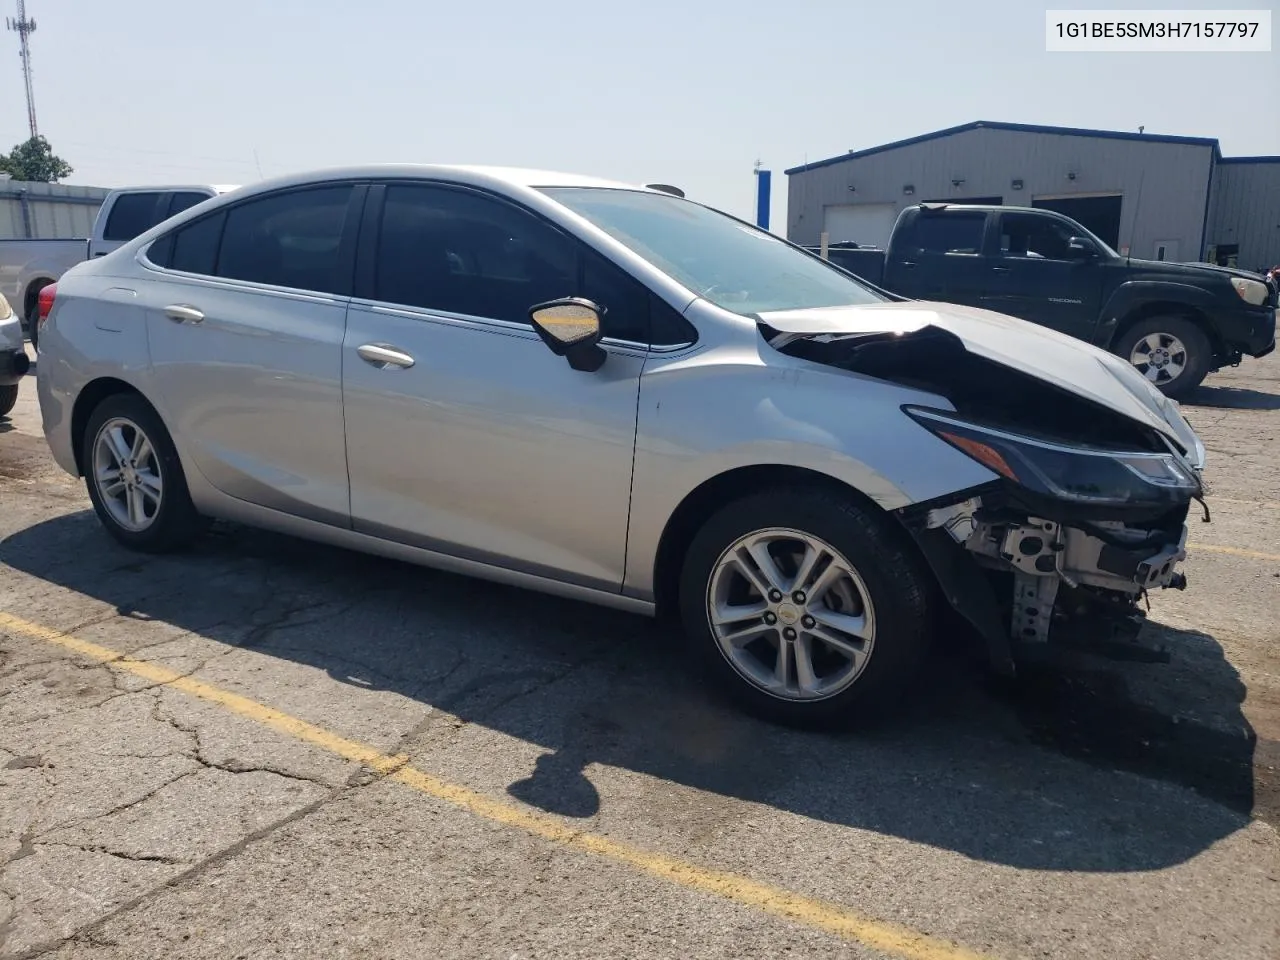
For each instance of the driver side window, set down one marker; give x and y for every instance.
(459, 251)
(1027, 236)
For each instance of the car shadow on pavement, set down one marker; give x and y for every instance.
(1037, 773)
(1232, 398)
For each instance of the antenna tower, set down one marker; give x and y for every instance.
(24, 28)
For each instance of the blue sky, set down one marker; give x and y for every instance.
(691, 92)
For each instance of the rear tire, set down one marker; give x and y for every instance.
(135, 478)
(8, 397)
(1172, 352)
(834, 646)
(31, 310)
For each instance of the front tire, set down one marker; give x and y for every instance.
(1172, 352)
(8, 397)
(805, 608)
(134, 477)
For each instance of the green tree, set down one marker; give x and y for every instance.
(34, 160)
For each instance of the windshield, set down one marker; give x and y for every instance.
(735, 266)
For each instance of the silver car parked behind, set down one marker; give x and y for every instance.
(619, 395)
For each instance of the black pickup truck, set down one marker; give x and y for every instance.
(1175, 322)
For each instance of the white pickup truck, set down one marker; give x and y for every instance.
(26, 266)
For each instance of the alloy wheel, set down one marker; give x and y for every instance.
(790, 614)
(1160, 357)
(126, 473)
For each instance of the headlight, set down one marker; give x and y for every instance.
(1067, 472)
(1251, 291)
(6, 311)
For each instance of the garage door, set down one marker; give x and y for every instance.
(864, 223)
(1101, 214)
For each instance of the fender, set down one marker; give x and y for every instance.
(1135, 294)
(701, 416)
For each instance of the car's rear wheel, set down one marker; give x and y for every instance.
(8, 397)
(805, 607)
(134, 477)
(1172, 352)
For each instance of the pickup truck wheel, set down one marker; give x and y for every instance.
(135, 478)
(805, 607)
(1172, 352)
(32, 310)
(8, 397)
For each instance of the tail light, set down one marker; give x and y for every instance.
(44, 303)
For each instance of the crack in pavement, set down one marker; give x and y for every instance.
(118, 854)
(231, 766)
(279, 621)
(26, 846)
(446, 713)
(193, 873)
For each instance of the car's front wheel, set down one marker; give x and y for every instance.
(8, 398)
(805, 607)
(134, 477)
(1172, 352)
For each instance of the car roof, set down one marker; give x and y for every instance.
(496, 176)
(217, 188)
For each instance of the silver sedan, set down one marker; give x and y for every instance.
(619, 395)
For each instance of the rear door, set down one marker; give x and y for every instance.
(245, 318)
(938, 255)
(1037, 277)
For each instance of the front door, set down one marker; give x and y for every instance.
(1038, 277)
(465, 434)
(245, 323)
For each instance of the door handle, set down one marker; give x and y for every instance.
(906, 263)
(1000, 269)
(181, 313)
(383, 355)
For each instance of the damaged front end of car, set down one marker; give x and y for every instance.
(1087, 511)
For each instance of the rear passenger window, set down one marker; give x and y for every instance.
(195, 246)
(185, 200)
(133, 214)
(949, 233)
(459, 252)
(288, 240)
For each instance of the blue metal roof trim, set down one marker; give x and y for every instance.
(1249, 160)
(1017, 128)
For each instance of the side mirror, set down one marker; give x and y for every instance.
(571, 328)
(1081, 249)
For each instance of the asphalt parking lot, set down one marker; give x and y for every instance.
(265, 748)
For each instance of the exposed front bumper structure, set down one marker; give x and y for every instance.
(1024, 580)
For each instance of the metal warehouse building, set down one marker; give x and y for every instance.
(47, 211)
(1148, 195)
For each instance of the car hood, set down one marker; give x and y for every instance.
(1191, 269)
(1066, 363)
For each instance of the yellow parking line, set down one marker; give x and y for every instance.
(1234, 551)
(832, 918)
